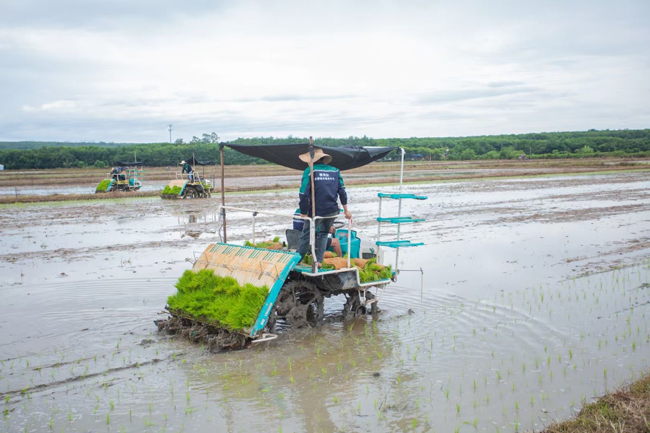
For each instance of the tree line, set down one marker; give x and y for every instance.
(580, 144)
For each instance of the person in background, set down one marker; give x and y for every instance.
(332, 242)
(187, 168)
(118, 173)
(329, 188)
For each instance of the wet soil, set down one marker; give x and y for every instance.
(533, 303)
(25, 186)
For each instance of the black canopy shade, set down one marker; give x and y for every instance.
(128, 164)
(193, 161)
(343, 158)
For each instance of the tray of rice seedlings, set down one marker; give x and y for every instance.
(214, 309)
(103, 186)
(171, 192)
(272, 244)
(369, 270)
(225, 301)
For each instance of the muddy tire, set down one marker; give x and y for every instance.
(307, 313)
(354, 306)
(300, 303)
(189, 192)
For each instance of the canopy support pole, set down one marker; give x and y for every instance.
(313, 206)
(223, 194)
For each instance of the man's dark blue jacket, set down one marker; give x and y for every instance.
(329, 185)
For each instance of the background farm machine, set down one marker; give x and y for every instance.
(129, 178)
(297, 291)
(193, 185)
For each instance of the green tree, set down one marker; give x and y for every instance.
(468, 154)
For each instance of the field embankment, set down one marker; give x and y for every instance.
(625, 410)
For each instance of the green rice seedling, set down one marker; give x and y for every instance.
(203, 294)
(457, 409)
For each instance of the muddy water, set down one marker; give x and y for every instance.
(520, 320)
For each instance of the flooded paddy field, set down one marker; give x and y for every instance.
(64, 182)
(535, 300)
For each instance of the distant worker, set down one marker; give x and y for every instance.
(332, 242)
(328, 186)
(187, 168)
(118, 173)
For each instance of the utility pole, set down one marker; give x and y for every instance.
(170, 132)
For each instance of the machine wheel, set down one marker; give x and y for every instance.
(300, 303)
(353, 306)
(189, 192)
(307, 312)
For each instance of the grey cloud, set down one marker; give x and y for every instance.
(547, 53)
(228, 124)
(477, 93)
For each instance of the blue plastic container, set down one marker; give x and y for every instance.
(355, 242)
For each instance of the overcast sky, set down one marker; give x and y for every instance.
(122, 70)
